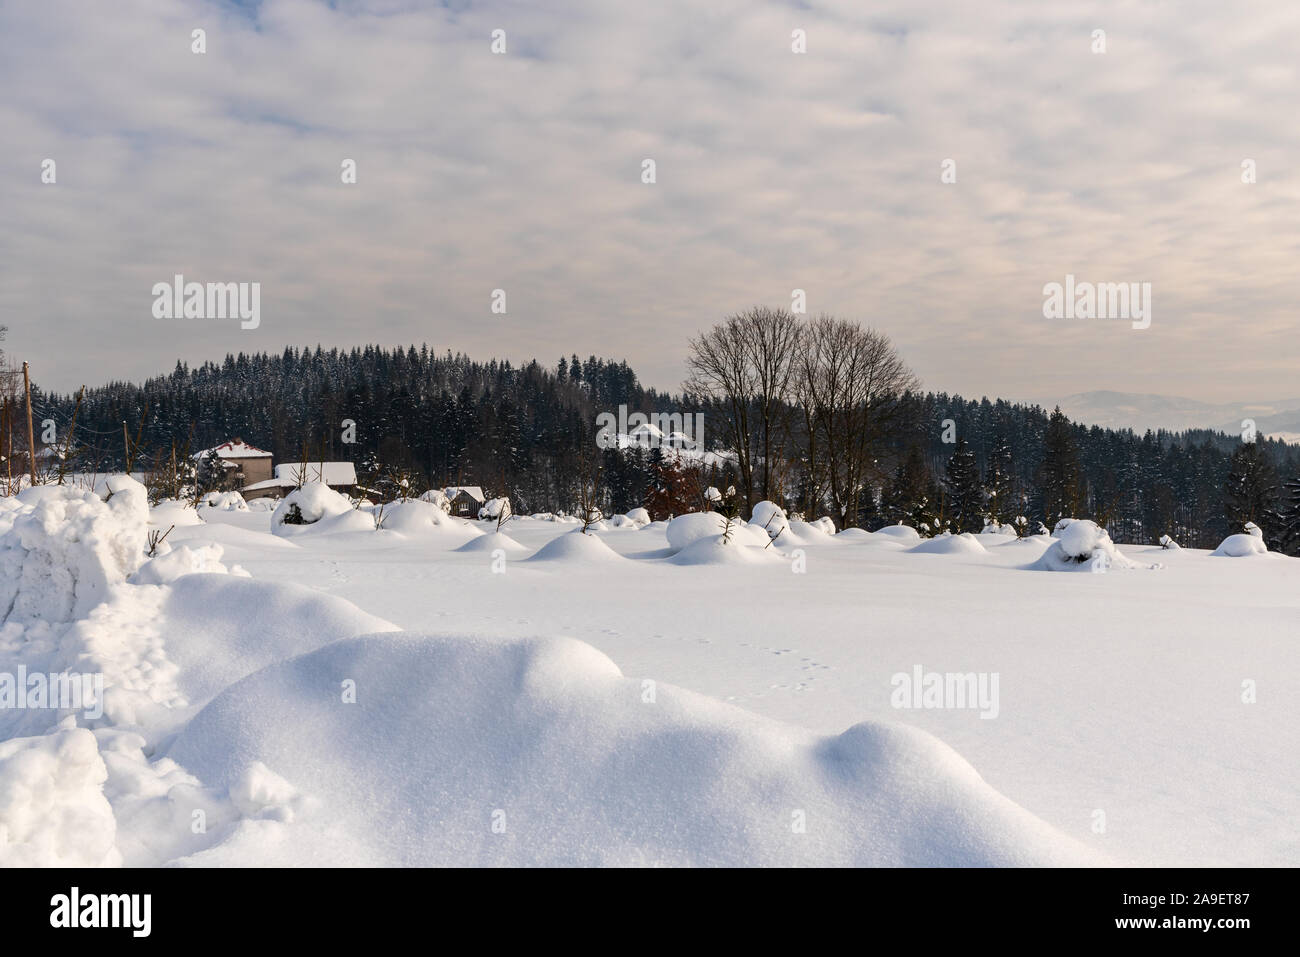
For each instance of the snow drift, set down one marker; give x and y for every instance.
(1081, 545)
(539, 752)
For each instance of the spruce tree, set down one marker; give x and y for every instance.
(1060, 475)
(1251, 492)
(965, 498)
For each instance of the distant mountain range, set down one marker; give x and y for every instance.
(1131, 410)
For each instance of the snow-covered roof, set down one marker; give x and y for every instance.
(235, 449)
(473, 491)
(331, 473)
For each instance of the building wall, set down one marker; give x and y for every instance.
(255, 470)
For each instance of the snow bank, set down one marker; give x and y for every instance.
(492, 752)
(313, 502)
(63, 548)
(169, 512)
(1081, 545)
(53, 812)
(950, 544)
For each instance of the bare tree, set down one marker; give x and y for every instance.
(746, 364)
(849, 382)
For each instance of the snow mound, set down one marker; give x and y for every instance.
(225, 501)
(437, 498)
(713, 551)
(574, 546)
(510, 752)
(688, 528)
(64, 548)
(949, 544)
(770, 517)
(1081, 545)
(53, 812)
(182, 560)
(826, 524)
(170, 512)
(491, 542)
(414, 518)
(1240, 546)
(902, 532)
(860, 536)
(494, 508)
(639, 516)
(313, 502)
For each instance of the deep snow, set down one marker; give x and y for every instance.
(644, 707)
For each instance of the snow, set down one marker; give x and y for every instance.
(575, 546)
(234, 449)
(949, 544)
(495, 508)
(1082, 546)
(546, 739)
(616, 707)
(226, 501)
(639, 517)
(901, 532)
(1240, 546)
(314, 502)
(693, 526)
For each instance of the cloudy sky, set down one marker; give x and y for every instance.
(775, 171)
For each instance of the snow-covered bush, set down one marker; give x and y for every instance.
(225, 501)
(1169, 543)
(825, 523)
(1081, 545)
(437, 497)
(1240, 546)
(308, 505)
(770, 517)
(495, 509)
(639, 517)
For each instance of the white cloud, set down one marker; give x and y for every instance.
(775, 171)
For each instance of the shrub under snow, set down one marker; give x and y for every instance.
(1240, 546)
(1081, 545)
(309, 504)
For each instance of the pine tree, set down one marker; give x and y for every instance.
(1251, 492)
(1060, 475)
(1000, 482)
(965, 497)
(1290, 517)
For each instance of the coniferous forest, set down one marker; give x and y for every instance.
(947, 462)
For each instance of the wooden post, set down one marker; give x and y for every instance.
(126, 447)
(31, 433)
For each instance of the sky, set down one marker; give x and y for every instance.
(774, 170)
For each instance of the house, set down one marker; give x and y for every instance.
(340, 476)
(465, 500)
(244, 464)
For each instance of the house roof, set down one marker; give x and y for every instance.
(236, 448)
(331, 473)
(473, 491)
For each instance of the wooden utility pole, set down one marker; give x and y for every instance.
(31, 433)
(126, 447)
